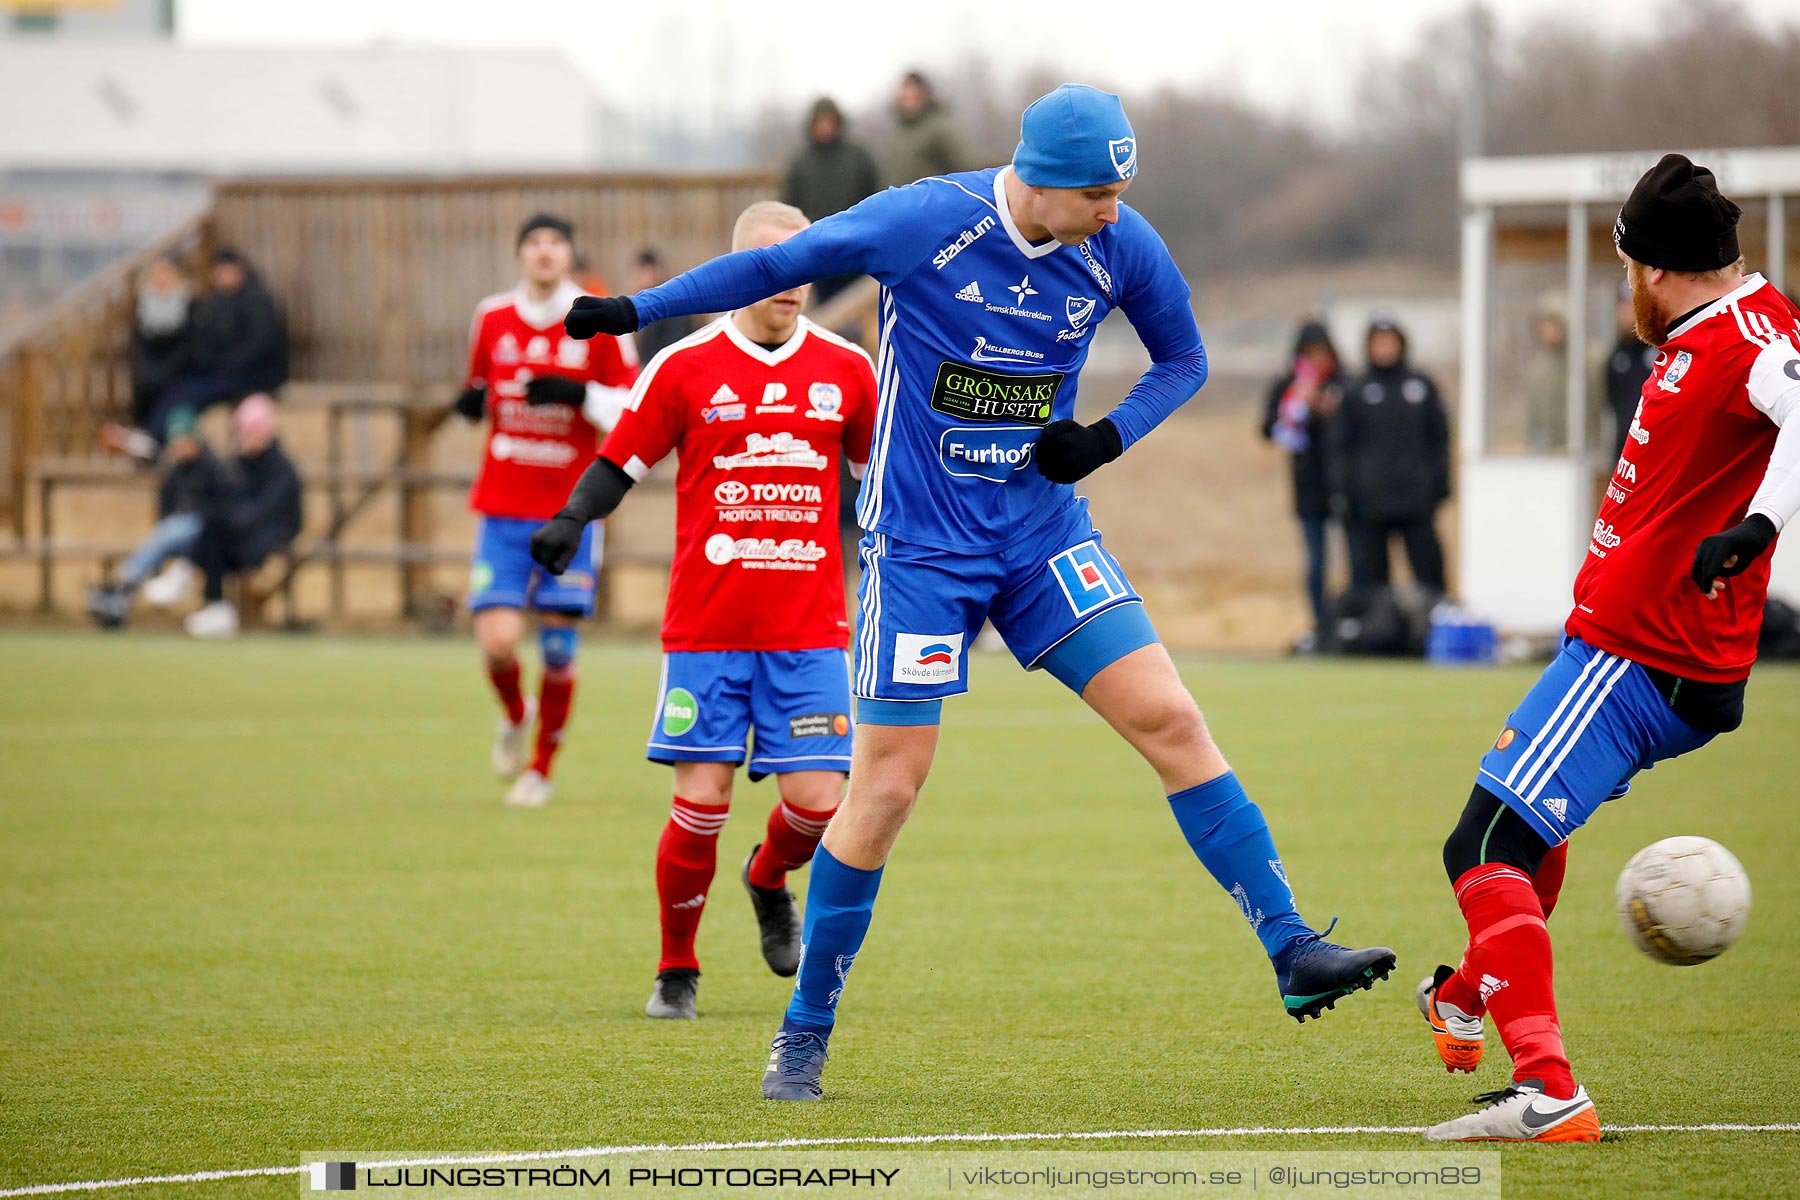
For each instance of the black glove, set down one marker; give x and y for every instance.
(590, 315)
(1730, 553)
(596, 494)
(554, 545)
(554, 389)
(1068, 450)
(472, 404)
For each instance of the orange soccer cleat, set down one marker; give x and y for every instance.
(1458, 1035)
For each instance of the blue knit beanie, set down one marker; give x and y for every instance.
(1076, 137)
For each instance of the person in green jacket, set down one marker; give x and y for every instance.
(926, 140)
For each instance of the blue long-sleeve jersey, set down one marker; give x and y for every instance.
(983, 337)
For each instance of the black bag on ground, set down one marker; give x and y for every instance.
(1383, 621)
(1780, 637)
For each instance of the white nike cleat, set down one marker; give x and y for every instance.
(529, 790)
(216, 620)
(171, 585)
(1521, 1112)
(509, 743)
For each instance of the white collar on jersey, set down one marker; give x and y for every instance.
(542, 314)
(769, 358)
(1752, 281)
(1006, 219)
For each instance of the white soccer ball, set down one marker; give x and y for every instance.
(1684, 900)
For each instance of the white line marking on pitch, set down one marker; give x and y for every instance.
(920, 1139)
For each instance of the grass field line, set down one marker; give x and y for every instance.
(917, 1139)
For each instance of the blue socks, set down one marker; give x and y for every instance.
(839, 903)
(1233, 842)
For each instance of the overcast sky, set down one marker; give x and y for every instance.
(662, 56)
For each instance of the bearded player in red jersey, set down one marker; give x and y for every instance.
(758, 406)
(1668, 605)
(550, 397)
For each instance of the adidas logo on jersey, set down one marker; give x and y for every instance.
(724, 395)
(972, 293)
(1490, 985)
(1559, 806)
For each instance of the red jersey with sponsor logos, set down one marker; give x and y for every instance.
(1694, 456)
(535, 453)
(758, 434)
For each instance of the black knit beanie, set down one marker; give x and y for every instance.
(546, 221)
(1675, 219)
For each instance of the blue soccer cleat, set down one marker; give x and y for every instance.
(795, 1063)
(1315, 974)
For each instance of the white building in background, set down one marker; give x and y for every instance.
(108, 138)
(129, 105)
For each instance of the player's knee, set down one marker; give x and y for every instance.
(814, 791)
(1172, 721)
(704, 782)
(884, 792)
(558, 644)
(497, 633)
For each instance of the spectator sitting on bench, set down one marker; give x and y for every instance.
(239, 346)
(162, 336)
(257, 515)
(191, 483)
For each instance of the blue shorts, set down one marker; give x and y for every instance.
(1592, 721)
(919, 608)
(503, 574)
(797, 701)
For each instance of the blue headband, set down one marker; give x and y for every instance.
(1076, 137)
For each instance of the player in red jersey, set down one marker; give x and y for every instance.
(549, 396)
(758, 406)
(1668, 605)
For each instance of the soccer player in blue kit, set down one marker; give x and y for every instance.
(993, 282)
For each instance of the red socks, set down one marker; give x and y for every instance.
(685, 861)
(793, 834)
(1548, 881)
(505, 677)
(555, 696)
(1508, 966)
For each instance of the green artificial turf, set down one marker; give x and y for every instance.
(261, 899)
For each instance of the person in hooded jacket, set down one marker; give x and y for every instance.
(829, 174)
(926, 140)
(1391, 463)
(1297, 418)
(239, 345)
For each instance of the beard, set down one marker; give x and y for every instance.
(1652, 321)
(161, 313)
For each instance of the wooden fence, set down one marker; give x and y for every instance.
(377, 277)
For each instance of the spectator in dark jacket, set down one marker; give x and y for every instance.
(161, 335)
(257, 515)
(191, 483)
(926, 140)
(239, 345)
(1628, 365)
(1296, 418)
(828, 175)
(657, 336)
(1391, 463)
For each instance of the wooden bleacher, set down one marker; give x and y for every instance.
(377, 335)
